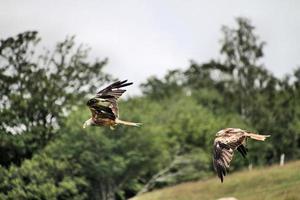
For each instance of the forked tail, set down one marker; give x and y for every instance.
(257, 136)
(118, 121)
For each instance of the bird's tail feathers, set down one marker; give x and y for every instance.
(257, 136)
(119, 121)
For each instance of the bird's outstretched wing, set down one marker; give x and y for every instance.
(104, 104)
(222, 157)
(223, 152)
(113, 90)
(226, 142)
(108, 96)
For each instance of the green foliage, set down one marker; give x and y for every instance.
(158, 89)
(42, 178)
(38, 90)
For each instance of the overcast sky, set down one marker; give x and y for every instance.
(143, 38)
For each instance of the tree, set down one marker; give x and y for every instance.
(42, 177)
(171, 84)
(38, 90)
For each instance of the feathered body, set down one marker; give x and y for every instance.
(104, 106)
(228, 140)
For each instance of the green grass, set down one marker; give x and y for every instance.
(272, 183)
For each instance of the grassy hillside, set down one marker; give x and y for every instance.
(272, 183)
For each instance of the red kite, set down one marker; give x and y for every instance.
(228, 140)
(104, 106)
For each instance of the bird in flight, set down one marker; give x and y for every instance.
(104, 106)
(228, 140)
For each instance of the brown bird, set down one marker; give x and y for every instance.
(228, 140)
(104, 107)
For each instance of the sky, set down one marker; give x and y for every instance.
(142, 38)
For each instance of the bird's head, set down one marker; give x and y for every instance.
(217, 134)
(88, 122)
(220, 133)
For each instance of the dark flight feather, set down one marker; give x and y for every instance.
(108, 98)
(243, 150)
(228, 140)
